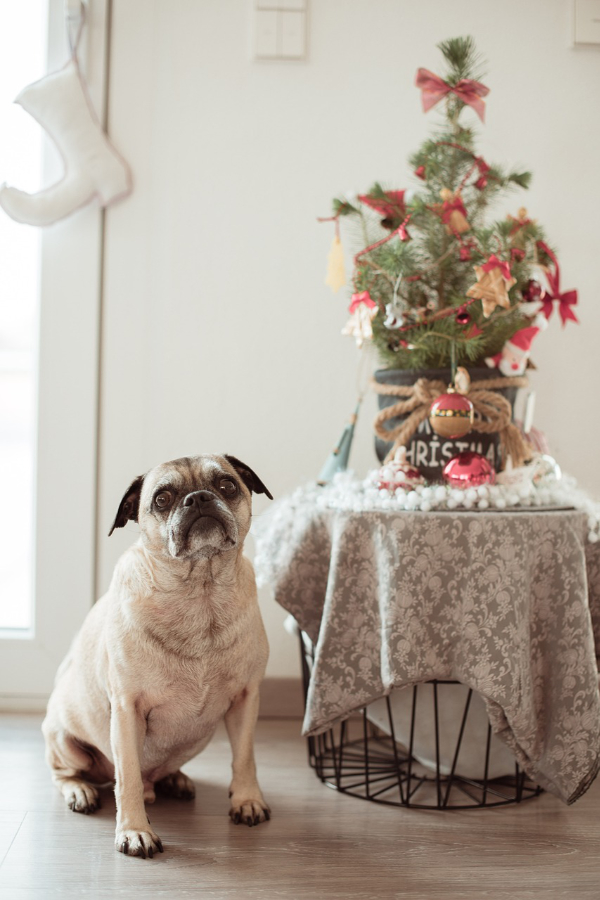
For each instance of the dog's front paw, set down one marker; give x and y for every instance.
(138, 843)
(249, 812)
(177, 785)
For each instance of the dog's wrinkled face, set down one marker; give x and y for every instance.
(194, 507)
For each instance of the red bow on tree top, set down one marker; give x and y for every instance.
(565, 300)
(434, 88)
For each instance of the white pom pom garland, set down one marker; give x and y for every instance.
(349, 493)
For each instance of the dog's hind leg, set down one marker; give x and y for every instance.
(176, 785)
(69, 761)
(149, 792)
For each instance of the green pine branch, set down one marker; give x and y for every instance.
(462, 58)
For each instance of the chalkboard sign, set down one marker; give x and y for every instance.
(426, 450)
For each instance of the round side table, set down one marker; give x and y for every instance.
(500, 605)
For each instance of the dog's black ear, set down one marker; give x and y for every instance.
(250, 478)
(129, 505)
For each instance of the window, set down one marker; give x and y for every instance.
(22, 60)
(50, 290)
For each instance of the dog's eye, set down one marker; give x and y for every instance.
(228, 487)
(163, 499)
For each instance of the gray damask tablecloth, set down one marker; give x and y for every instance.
(499, 601)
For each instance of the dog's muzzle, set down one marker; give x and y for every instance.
(204, 513)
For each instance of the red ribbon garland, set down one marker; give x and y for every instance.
(400, 232)
(442, 314)
(478, 163)
(433, 89)
(566, 299)
(482, 165)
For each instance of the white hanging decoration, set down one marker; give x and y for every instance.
(393, 312)
(392, 318)
(61, 104)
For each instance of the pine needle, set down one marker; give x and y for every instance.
(463, 59)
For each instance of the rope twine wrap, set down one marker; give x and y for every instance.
(493, 413)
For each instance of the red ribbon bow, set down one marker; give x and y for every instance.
(434, 88)
(566, 299)
(358, 299)
(518, 224)
(450, 206)
(495, 263)
(393, 204)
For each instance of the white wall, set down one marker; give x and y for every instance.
(218, 331)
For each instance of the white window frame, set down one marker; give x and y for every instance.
(67, 407)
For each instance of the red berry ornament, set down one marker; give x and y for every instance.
(532, 291)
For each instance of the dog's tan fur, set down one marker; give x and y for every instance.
(176, 645)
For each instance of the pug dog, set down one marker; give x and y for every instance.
(175, 646)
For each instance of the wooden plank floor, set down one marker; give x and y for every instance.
(319, 844)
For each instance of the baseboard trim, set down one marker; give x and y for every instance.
(281, 698)
(33, 703)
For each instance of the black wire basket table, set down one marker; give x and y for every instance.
(362, 759)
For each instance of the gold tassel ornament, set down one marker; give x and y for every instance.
(336, 277)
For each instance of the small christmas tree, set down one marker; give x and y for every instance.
(433, 280)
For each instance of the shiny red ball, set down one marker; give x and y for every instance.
(467, 470)
(463, 318)
(532, 291)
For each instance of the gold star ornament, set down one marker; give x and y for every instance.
(492, 287)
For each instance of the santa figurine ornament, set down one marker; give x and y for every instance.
(399, 473)
(514, 356)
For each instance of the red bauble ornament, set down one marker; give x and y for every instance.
(464, 253)
(463, 318)
(532, 291)
(451, 415)
(420, 172)
(468, 470)
(481, 183)
(516, 254)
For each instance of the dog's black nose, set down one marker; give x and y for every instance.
(199, 498)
